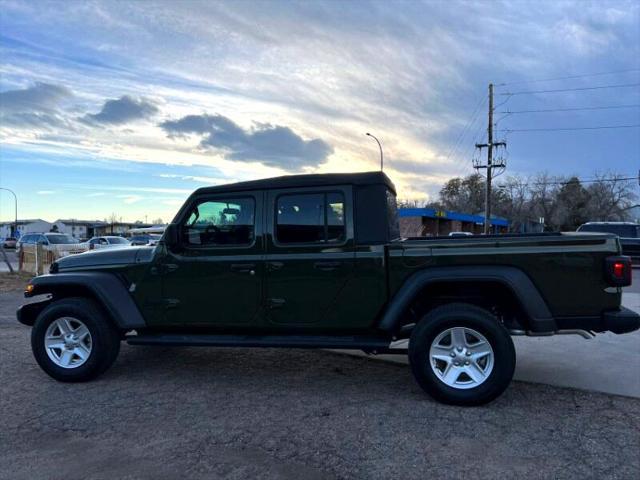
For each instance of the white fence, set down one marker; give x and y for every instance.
(37, 259)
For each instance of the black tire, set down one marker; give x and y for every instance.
(478, 319)
(105, 339)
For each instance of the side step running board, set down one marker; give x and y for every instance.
(273, 341)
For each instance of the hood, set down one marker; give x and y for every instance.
(105, 257)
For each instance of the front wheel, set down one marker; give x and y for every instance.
(73, 341)
(461, 355)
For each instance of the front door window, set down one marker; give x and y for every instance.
(221, 222)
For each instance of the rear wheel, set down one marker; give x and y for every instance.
(461, 355)
(73, 341)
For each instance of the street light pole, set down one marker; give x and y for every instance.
(380, 146)
(15, 231)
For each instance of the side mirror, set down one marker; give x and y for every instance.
(171, 237)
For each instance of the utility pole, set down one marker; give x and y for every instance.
(490, 165)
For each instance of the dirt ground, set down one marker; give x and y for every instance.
(13, 282)
(205, 413)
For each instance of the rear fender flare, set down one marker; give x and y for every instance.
(516, 280)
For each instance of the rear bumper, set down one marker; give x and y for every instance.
(622, 320)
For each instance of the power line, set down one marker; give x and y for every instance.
(566, 182)
(573, 109)
(454, 151)
(599, 87)
(472, 119)
(569, 77)
(567, 129)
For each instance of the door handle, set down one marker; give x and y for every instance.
(326, 266)
(163, 268)
(244, 268)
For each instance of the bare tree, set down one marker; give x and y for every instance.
(610, 198)
(516, 204)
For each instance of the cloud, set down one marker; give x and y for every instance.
(123, 110)
(272, 145)
(130, 198)
(46, 192)
(41, 97)
(33, 107)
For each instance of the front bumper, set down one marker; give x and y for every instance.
(27, 313)
(622, 320)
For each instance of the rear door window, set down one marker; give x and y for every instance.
(310, 218)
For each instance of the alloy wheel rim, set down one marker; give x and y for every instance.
(68, 342)
(461, 358)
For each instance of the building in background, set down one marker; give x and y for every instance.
(429, 222)
(117, 228)
(36, 225)
(80, 229)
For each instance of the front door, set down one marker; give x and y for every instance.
(214, 277)
(310, 256)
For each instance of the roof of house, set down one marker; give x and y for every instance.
(23, 221)
(75, 221)
(308, 180)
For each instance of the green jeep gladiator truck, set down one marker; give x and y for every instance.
(316, 261)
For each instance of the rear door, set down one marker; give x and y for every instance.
(310, 255)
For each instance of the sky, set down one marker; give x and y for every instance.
(124, 108)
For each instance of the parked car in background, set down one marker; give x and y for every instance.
(145, 239)
(10, 242)
(50, 238)
(460, 234)
(108, 241)
(628, 232)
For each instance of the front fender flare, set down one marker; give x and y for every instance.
(516, 280)
(107, 289)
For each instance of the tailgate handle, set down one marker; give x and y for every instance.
(326, 266)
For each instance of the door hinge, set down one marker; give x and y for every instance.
(274, 303)
(170, 302)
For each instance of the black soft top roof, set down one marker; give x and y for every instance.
(310, 180)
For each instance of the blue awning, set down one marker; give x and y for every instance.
(448, 215)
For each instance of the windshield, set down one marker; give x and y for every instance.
(625, 231)
(59, 238)
(117, 240)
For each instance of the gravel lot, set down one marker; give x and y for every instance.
(167, 413)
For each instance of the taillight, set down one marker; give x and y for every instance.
(618, 271)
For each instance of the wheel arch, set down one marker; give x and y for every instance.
(106, 289)
(485, 286)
